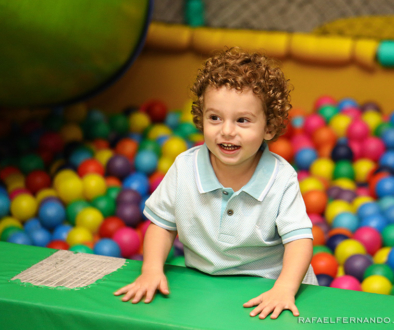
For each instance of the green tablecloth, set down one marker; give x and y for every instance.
(197, 301)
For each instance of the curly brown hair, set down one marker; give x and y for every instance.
(237, 69)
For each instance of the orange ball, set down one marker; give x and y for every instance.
(112, 181)
(324, 263)
(90, 166)
(325, 151)
(101, 144)
(324, 135)
(318, 236)
(339, 230)
(283, 148)
(296, 112)
(127, 147)
(315, 201)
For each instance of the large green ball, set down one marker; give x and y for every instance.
(105, 204)
(343, 169)
(380, 269)
(327, 112)
(74, 208)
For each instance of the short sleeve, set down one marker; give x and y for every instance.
(160, 206)
(292, 220)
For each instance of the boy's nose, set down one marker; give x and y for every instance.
(228, 129)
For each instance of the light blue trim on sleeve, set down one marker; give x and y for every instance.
(297, 234)
(157, 220)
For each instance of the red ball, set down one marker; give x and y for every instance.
(37, 180)
(18, 191)
(110, 226)
(90, 166)
(6, 171)
(51, 141)
(58, 244)
(324, 263)
(156, 110)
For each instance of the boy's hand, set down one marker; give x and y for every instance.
(145, 285)
(275, 300)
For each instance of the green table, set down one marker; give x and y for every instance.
(197, 301)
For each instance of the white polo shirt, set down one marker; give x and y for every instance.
(232, 233)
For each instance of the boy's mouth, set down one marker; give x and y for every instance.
(229, 146)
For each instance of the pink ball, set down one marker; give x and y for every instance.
(316, 218)
(303, 174)
(356, 148)
(128, 240)
(358, 130)
(370, 238)
(312, 123)
(143, 226)
(324, 100)
(373, 148)
(346, 282)
(301, 141)
(155, 183)
(363, 191)
(354, 113)
(19, 191)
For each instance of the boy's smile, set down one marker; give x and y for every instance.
(234, 126)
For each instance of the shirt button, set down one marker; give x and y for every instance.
(230, 212)
(225, 192)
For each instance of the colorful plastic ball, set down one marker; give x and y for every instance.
(323, 167)
(347, 103)
(324, 279)
(343, 169)
(380, 269)
(346, 220)
(129, 213)
(93, 185)
(37, 180)
(372, 119)
(321, 248)
(333, 192)
(146, 161)
(381, 129)
(79, 155)
(58, 245)
(341, 152)
(352, 112)
(51, 214)
(119, 166)
(363, 168)
(376, 221)
(151, 145)
(377, 284)
(358, 130)
(137, 181)
(387, 159)
(51, 141)
(347, 248)
(154, 181)
(127, 147)
(339, 123)
(103, 156)
(311, 183)
(5, 204)
(336, 207)
(18, 191)
(9, 222)
(283, 148)
(356, 265)
(185, 130)
(312, 123)
(89, 218)
(74, 208)
(24, 207)
(388, 235)
(7, 232)
(370, 239)
(31, 162)
(388, 138)
(107, 247)
(302, 174)
(40, 237)
(386, 202)
(346, 282)
(61, 232)
(90, 166)
(79, 235)
(129, 196)
(334, 240)
(173, 147)
(32, 224)
(110, 226)
(372, 148)
(128, 240)
(368, 209)
(381, 255)
(304, 158)
(315, 201)
(113, 191)
(327, 112)
(324, 100)
(71, 132)
(324, 263)
(70, 189)
(347, 195)
(340, 230)
(385, 187)
(318, 235)
(20, 237)
(138, 122)
(81, 248)
(300, 141)
(105, 204)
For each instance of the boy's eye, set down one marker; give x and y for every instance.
(243, 120)
(214, 117)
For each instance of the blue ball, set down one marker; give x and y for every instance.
(146, 161)
(172, 119)
(142, 203)
(387, 159)
(136, 137)
(390, 259)
(32, 224)
(389, 214)
(3, 190)
(51, 214)
(341, 152)
(343, 141)
(368, 209)
(40, 237)
(20, 237)
(107, 247)
(334, 240)
(376, 221)
(4, 205)
(161, 139)
(386, 202)
(324, 279)
(137, 181)
(346, 220)
(304, 158)
(61, 232)
(388, 138)
(347, 103)
(297, 122)
(95, 115)
(79, 156)
(385, 187)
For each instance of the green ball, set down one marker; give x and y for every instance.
(7, 232)
(321, 248)
(177, 261)
(97, 130)
(105, 204)
(327, 112)
(31, 162)
(73, 209)
(119, 124)
(54, 123)
(185, 129)
(381, 128)
(151, 145)
(85, 148)
(380, 269)
(343, 169)
(113, 192)
(388, 235)
(81, 248)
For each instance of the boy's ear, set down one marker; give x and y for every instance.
(269, 134)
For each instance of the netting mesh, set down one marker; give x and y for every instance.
(289, 15)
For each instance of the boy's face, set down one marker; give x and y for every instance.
(236, 118)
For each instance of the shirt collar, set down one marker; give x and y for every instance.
(257, 187)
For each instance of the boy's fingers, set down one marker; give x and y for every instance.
(266, 311)
(257, 310)
(129, 295)
(138, 296)
(276, 312)
(163, 287)
(294, 309)
(149, 295)
(124, 289)
(253, 302)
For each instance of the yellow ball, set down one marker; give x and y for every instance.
(372, 118)
(186, 117)
(311, 183)
(139, 121)
(63, 175)
(187, 107)
(340, 271)
(24, 207)
(380, 257)
(103, 156)
(71, 132)
(89, 218)
(78, 235)
(348, 248)
(362, 168)
(94, 185)
(323, 167)
(164, 164)
(159, 130)
(13, 178)
(44, 193)
(196, 137)
(9, 222)
(345, 183)
(70, 189)
(360, 200)
(339, 123)
(76, 113)
(173, 147)
(376, 284)
(336, 207)
(15, 185)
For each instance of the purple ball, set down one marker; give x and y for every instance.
(356, 265)
(138, 257)
(325, 226)
(347, 195)
(119, 166)
(370, 106)
(334, 191)
(130, 196)
(129, 213)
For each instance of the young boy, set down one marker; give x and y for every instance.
(236, 206)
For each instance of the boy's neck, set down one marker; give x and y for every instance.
(235, 177)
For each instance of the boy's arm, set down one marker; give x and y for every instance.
(296, 260)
